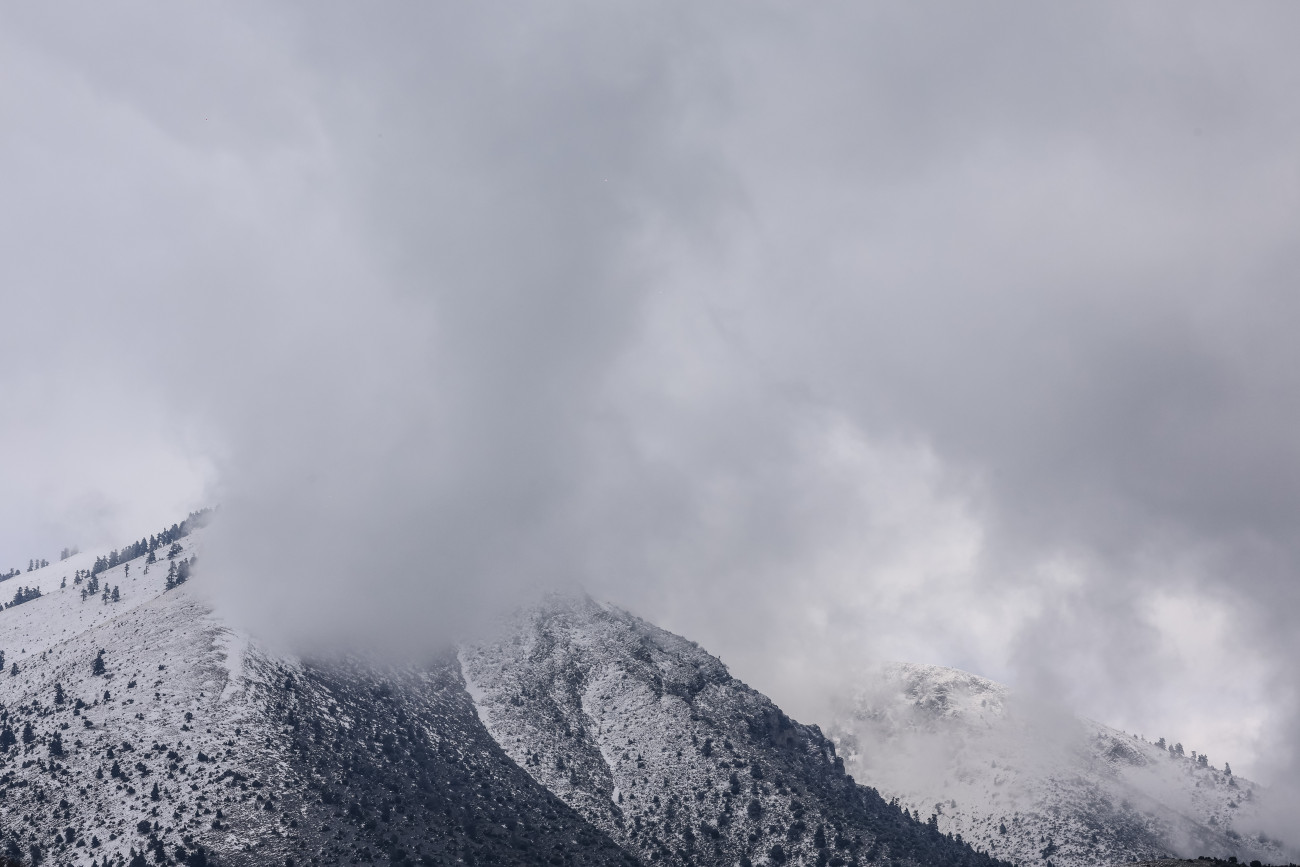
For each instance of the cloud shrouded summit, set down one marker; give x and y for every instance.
(959, 335)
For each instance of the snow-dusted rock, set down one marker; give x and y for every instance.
(651, 739)
(1030, 783)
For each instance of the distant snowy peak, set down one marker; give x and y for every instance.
(907, 694)
(1030, 783)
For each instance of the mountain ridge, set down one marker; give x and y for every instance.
(145, 729)
(636, 704)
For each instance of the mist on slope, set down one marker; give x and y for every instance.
(957, 336)
(986, 758)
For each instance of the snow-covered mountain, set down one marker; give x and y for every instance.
(137, 727)
(1031, 784)
(652, 740)
(193, 745)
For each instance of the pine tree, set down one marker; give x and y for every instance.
(116, 597)
(28, 734)
(98, 667)
(154, 796)
(58, 693)
(56, 745)
(7, 738)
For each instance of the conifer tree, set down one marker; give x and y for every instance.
(98, 667)
(58, 693)
(28, 734)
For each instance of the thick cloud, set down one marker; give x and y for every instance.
(956, 335)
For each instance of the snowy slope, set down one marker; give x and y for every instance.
(196, 746)
(1031, 784)
(653, 741)
(579, 736)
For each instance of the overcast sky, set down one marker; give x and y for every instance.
(953, 333)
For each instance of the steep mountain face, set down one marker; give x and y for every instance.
(1033, 785)
(184, 743)
(138, 728)
(650, 739)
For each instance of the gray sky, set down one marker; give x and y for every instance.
(960, 334)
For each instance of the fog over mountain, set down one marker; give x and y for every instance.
(954, 334)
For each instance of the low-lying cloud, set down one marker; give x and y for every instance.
(960, 335)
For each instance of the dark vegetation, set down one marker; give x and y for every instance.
(403, 772)
(166, 536)
(169, 536)
(24, 594)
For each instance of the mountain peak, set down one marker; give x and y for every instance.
(1030, 782)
